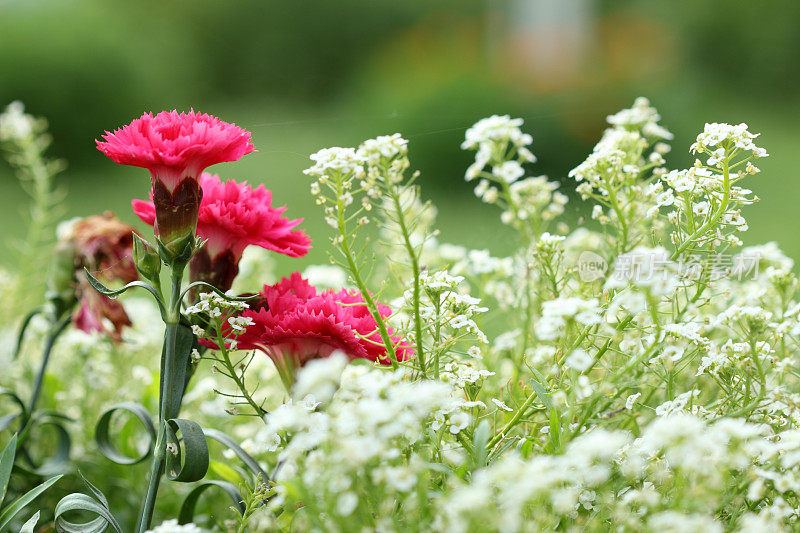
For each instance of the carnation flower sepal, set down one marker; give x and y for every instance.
(178, 252)
(176, 211)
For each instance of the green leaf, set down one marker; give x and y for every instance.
(195, 449)
(7, 420)
(82, 502)
(28, 526)
(11, 511)
(22, 328)
(95, 504)
(7, 464)
(225, 472)
(480, 439)
(59, 462)
(555, 430)
(103, 438)
(186, 514)
(527, 448)
(183, 343)
(251, 463)
(113, 293)
(96, 494)
(541, 393)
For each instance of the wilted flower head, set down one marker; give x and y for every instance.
(231, 217)
(103, 245)
(176, 148)
(293, 323)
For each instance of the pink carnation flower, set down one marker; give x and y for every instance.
(293, 323)
(176, 148)
(233, 216)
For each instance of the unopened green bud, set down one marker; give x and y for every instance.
(61, 279)
(145, 257)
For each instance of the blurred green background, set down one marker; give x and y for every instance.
(313, 73)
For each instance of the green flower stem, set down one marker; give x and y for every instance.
(412, 255)
(362, 287)
(58, 327)
(513, 422)
(165, 399)
(239, 381)
(723, 206)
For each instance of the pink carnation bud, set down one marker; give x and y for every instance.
(176, 148)
(231, 217)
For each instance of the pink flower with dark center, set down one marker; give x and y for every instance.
(293, 323)
(176, 148)
(233, 216)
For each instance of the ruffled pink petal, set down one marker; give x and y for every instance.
(234, 215)
(291, 317)
(176, 145)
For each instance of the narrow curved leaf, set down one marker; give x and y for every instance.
(186, 515)
(113, 293)
(103, 438)
(59, 462)
(7, 420)
(22, 328)
(195, 449)
(233, 446)
(479, 441)
(28, 526)
(11, 511)
(82, 502)
(7, 464)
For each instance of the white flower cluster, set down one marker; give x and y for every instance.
(558, 313)
(218, 309)
(16, 125)
(478, 263)
(641, 117)
(614, 160)
(172, 526)
(606, 477)
(647, 268)
(215, 306)
(495, 130)
(373, 432)
(500, 143)
(446, 305)
(720, 136)
(335, 160)
(385, 147)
